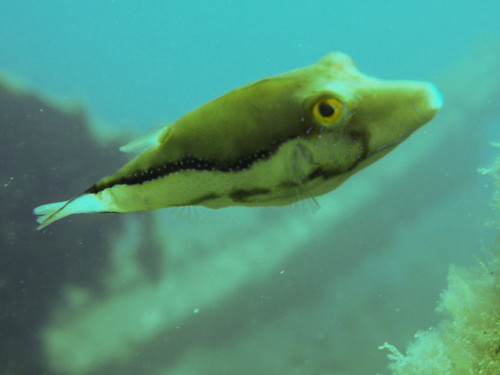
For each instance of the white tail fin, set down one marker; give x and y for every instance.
(54, 211)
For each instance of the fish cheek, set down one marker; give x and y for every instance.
(347, 149)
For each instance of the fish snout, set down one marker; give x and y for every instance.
(428, 101)
(388, 112)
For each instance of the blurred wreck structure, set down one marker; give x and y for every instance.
(47, 152)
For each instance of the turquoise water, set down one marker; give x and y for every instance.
(140, 63)
(238, 291)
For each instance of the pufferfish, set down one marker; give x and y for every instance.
(273, 142)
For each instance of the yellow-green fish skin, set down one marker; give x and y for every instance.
(268, 143)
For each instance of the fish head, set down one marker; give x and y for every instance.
(354, 119)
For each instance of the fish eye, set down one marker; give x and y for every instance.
(327, 111)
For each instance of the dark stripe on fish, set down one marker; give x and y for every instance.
(187, 163)
(242, 196)
(206, 197)
(190, 163)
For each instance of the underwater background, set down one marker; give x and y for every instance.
(237, 291)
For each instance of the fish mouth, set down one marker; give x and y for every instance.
(418, 102)
(393, 110)
(426, 107)
(431, 106)
(435, 97)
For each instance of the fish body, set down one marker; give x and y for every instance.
(274, 142)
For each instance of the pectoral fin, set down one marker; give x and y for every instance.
(301, 160)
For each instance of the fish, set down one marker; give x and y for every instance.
(280, 140)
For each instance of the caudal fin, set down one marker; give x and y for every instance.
(48, 213)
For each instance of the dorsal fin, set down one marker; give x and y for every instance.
(144, 142)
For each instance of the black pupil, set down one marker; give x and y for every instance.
(326, 109)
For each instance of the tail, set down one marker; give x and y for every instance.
(48, 213)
